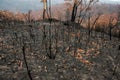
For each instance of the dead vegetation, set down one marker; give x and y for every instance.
(52, 49)
(56, 52)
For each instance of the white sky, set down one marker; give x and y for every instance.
(115, 0)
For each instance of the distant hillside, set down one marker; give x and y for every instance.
(10, 16)
(59, 10)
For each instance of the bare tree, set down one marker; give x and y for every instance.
(74, 11)
(25, 60)
(84, 6)
(44, 8)
(118, 21)
(29, 15)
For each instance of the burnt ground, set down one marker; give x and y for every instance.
(79, 56)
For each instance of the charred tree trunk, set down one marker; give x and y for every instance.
(29, 16)
(89, 27)
(110, 27)
(74, 12)
(110, 34)
(24, 56)
(119, 35)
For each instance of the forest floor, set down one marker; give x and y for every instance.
(79, 56)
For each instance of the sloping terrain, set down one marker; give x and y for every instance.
(79, 56)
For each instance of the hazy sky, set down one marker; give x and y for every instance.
(25, 5)
(110, 1)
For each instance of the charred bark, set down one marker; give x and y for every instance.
(74, 12)
(24, 57)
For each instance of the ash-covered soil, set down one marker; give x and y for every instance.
(78, 55)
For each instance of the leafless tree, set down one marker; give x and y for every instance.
(25, 60)
(29, 15)
(118, 21)
(84, 7)
(45, 8)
